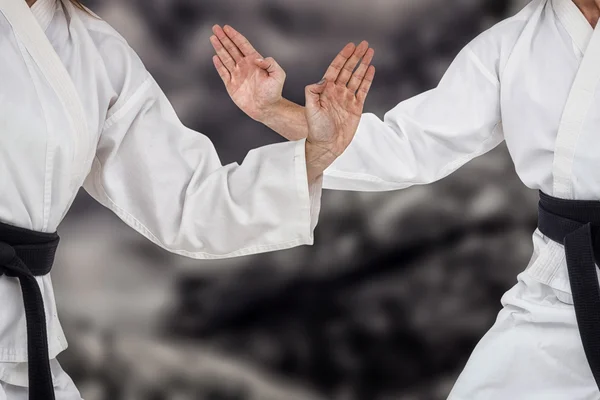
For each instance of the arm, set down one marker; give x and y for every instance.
(427, 137)
(167, 182)
(287, 119)
(421, 140)
(255, 84)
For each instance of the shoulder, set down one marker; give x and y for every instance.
(93, 24)
(110, 43)
(494, 46)
(509, 29)
(121, 64)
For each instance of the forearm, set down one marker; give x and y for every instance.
(318, 159)
(167, 182)
(398, 152)
(287, 119)
(200, 209)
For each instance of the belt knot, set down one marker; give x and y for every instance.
(10, 264)
(7, 256)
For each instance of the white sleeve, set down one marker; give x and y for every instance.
(167, 182)
(427, 137)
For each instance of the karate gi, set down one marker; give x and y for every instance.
(78, 108)
(516, 82)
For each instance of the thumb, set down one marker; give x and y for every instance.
(313, 93)
(270, 66)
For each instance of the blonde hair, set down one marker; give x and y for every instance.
(79, 4)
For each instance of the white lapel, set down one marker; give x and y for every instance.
(43, 11)
(578, 104)
(574, 22)
(32, 36)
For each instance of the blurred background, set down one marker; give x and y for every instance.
(394, 295)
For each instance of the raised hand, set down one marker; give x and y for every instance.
(334, 106)
(253, 83)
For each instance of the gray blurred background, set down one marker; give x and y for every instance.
(398, 288)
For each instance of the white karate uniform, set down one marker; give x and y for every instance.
(532, 81)
(79, 108)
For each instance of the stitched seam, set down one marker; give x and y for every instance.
(55, 73)
(303, 188)
(115, 115)
(48, 170)
(484, 71)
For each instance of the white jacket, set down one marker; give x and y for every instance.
(78, 107)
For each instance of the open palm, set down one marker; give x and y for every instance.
(253, 83)
(335, 105)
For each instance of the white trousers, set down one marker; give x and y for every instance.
(533, 351)
(64, 387)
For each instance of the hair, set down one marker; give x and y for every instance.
(79, 4)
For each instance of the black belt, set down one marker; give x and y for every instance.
(576, 224)
(25, 254)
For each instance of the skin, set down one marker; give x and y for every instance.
(333, 107)
(287, 118)
(590, 9)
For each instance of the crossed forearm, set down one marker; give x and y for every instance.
(287, 119)
(333, 107)
(318, 159)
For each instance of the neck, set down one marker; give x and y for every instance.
(31, 2)
(590, 9)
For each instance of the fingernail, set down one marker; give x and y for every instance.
(259, 60)
(321, 81)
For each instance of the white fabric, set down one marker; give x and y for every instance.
(579, 103)
(64, 387)
(527, 62)
(79, 108)
(510, 83)
(533, 352)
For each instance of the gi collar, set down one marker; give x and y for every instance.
(43, 11)
(574, 22)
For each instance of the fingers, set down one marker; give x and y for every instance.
(223, 54)
(313, 93)
(271, 67)
(365, 85)
(226, 42)
(240, 41)
(338, 63)
(351, 63)
(221, 69)
(268, 64)
(360, 72)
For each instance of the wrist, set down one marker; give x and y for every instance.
(318, 159)
(273, 111)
